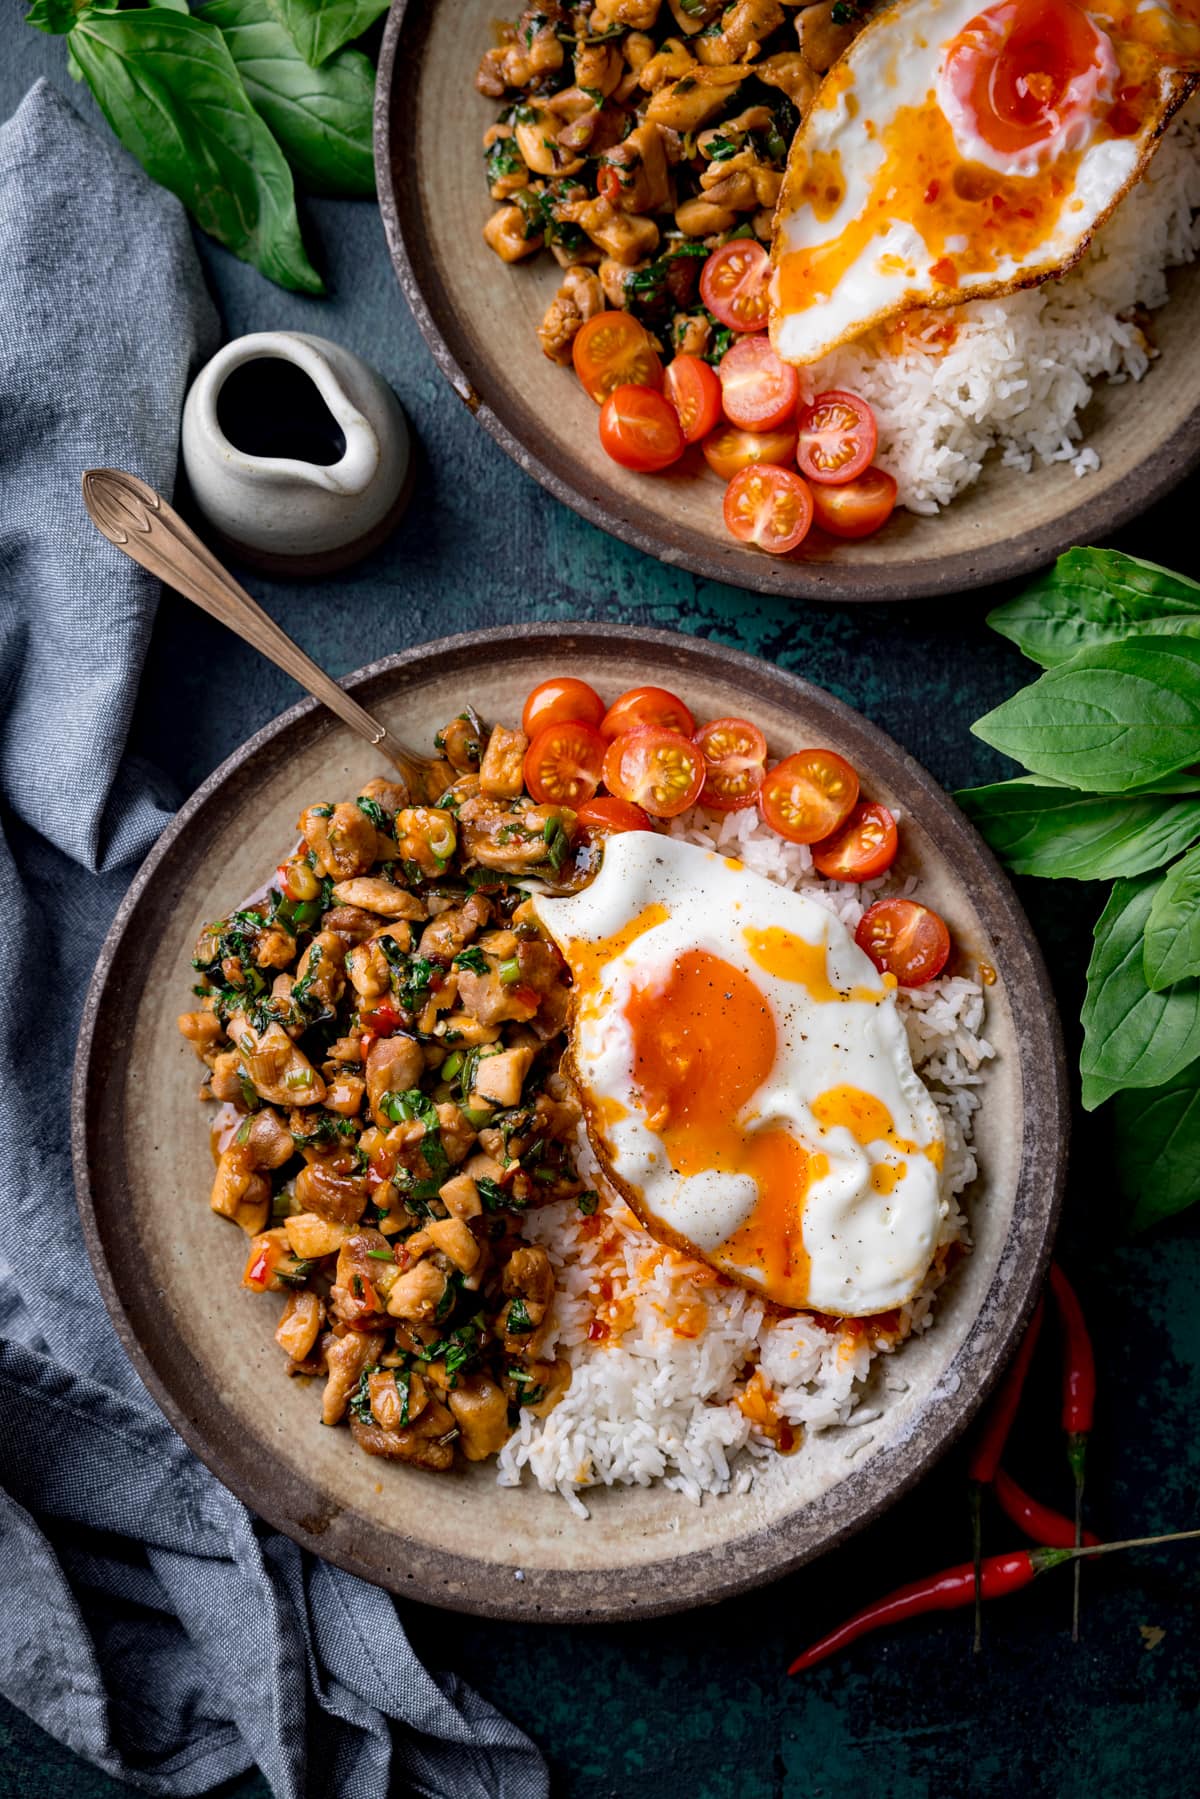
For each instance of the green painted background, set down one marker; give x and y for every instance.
(699, 1705)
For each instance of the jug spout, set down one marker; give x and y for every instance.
(292, 443)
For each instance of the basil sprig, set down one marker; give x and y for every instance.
(1110, 737)
(222, 105)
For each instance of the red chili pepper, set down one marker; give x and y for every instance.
(281, 874)
(1041, 1522)
(955, 1588)
(993, 1435)
(1079, 1399)
(989, 1447)
(945, 1592)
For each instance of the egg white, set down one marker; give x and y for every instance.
(868, 1251)
(894, 63)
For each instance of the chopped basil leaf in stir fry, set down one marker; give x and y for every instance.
(383, 1032)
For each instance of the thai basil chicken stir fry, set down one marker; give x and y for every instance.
(635, 136)
(383, 1032)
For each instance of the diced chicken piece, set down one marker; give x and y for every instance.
(394, 1065)
(505, 234)
(598, 66)
(240, 1192)
(389, 791)
(502, 771)
(460, 1196)
(322, 969)
(340, 1197)
(418, 1293)
(202, 1030)
(481, 1413)
(500, 1078)
(342, 839)
(699, 217)
(625, 237)
(791, 74)
(226, 1077)
(367, 966)
(641, 169)
(745, 27)
(510, 837)
(453, 929)
(455, 1240)
(463, 1031)
(372, 894)
(344, 1094)
(697, 97)
(458, 1134)
(310, 1237)
(346, 1358)
(492, 1001)
(279, 1071)
(351, 924)
(537, 135)
(426, 1444)
(397, 1400)
(300, 1324)
(692, 16)
(426, 835)
(638, 15)
(822, 38)
(274, 948)
(671, 62)
(366, 1273)
(529, 1276)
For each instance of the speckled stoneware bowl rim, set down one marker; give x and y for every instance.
(281, 1495)
(1087, 521)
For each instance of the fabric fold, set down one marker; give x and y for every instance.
(150, 1622)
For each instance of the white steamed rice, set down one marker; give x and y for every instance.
(658, 1398)
(1018, 371)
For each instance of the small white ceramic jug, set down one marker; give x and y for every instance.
(297, 452)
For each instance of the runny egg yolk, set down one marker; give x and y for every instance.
(1022, 69)
(704, 1042)
(792, 958)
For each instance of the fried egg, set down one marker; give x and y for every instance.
(960, 149)
(746, 1078)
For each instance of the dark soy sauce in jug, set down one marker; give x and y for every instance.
(269, 407)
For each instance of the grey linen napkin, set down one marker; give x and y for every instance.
(147, 1620)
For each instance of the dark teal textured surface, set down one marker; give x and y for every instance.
(699, 1705)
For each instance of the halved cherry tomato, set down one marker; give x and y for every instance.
(904, 938)
(611, 816)
(735, 760)
(855, 508)
(612, 350)
(695, 392)
(758, 390)
(734, 282)
(661, 771)
(639, 429)
(563, 763)
(837, 437)
(807, 796)
(560, 698)
(728, 451)
(862, 849)
(642, 706)
(770, 507)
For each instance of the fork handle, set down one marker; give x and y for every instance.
(141, 523)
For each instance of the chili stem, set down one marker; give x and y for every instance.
(989, 1447)
(1079, 1399)
(977, 1553)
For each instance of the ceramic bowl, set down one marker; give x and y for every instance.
(170, 1271)
(479, 316)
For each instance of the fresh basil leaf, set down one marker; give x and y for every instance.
(1112, 718)
(1061, 834)
(321, 117)
(1172, 947)
(1131, 1036)
(319, 27)
(55, 16)
(1092, 597)
(170, 90)
(1158, 1148)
